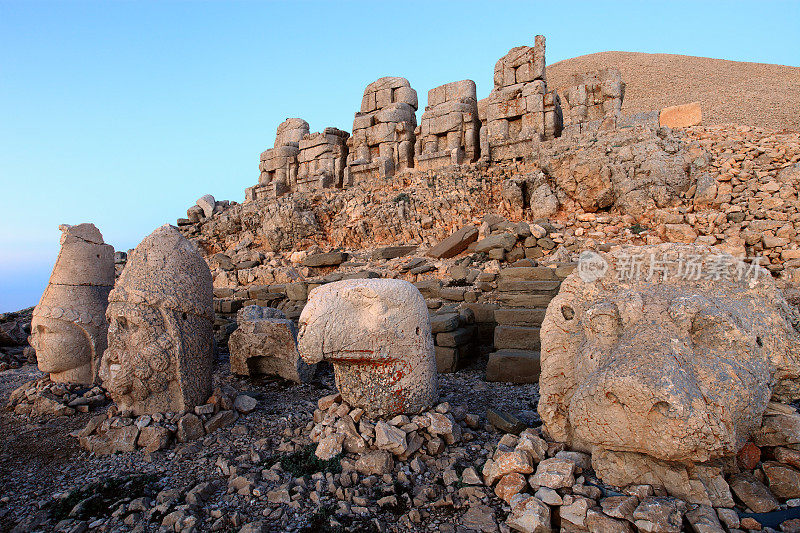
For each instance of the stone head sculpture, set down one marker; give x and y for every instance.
(160, 337)
(672, 351)
(69, 325)
(377, 335)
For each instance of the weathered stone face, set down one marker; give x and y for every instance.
(160, 338)
(69, 327)
(677, 369)
(383, 131)
(449, 130)
(377, 335)
(265, 342)
(594, 96)
(520, 111)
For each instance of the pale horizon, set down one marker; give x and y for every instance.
(123, 114)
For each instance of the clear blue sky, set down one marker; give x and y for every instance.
(124, 113)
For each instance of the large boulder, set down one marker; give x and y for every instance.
(672, 351)
(377, 335)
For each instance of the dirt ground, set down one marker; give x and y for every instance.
(39, 460)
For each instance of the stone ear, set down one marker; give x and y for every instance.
(602, 323)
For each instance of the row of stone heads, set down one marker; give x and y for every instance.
(455, 128)
(148, 337)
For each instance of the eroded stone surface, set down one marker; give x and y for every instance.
(449, 130)
(678, 369)
(383, 131)
(265, 342)
(69, 325)
(160, 333)
(377, 335)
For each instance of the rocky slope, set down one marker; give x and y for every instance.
(731, 92)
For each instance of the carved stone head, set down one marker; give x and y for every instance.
(69, 326)
(160, 337)
(377, 335)
(672, 351)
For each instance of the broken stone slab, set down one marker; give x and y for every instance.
(325, 259)
(753, 493)
(455, 243)
(505, 422)
(444, 322)
(393, 252)
(703, 519)
(265, 342)
(513, 366)
(505, 241)
(783, 480)
(220, 420)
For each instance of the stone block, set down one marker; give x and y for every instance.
(527, 274)
(514, 366)
(523, 299)
(392, 252)
(532, 287)
(455, 243)
(325, 259)
(520, 316)
(456, 337)
(681, 116)
(516, 338)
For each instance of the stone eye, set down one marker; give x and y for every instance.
(567, 312)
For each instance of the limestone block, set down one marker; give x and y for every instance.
(160, 336)
(455, 243)
(69, 327)
(290, 131)
(265, 342)
(513, 366)
(677, 368)
(377, 335)
(681, 116)
(207, 204)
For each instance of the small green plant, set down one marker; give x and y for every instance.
(304, 462)
(402, 197)
(98, 498)
(636, 229)
(320, 522)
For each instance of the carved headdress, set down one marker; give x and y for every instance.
(78, 288)
(166, 365)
